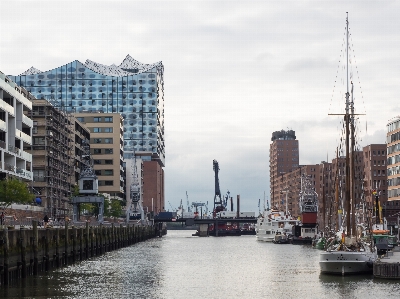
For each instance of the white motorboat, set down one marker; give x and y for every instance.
(273, 222)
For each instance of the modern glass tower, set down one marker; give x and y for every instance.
(133, 89)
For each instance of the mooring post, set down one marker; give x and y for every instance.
(46, 250)
(23, 252)
(80, 243)
(35, 247)
(87, 240)
(73, 244)
(66, 243)
(57, 251)
(6, 256)
(91, 241)
(101, 239)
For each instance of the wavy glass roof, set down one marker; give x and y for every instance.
(127, 67)
(133, 89)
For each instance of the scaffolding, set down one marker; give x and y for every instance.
(54, 157)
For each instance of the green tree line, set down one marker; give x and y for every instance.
(14, 191)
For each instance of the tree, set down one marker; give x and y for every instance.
(112, 208)
(14, 191)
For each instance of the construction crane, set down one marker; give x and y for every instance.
(201, 205)
(218, 201)
(135, 208)
(187, 202)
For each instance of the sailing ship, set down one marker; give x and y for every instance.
(347, 252)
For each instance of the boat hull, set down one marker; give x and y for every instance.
(346, 262)
(224, 232)
(302, 241)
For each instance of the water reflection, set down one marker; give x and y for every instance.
(181, 266)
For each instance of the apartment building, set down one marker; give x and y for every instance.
(283, 158)
(106, 148)
(57, 149)
(15, 130)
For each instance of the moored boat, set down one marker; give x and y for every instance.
(306, 230)
(273, 222)
(348, 252)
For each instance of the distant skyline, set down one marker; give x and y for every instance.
(235, 72)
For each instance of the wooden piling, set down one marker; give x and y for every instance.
(35, 247)
(27, 252)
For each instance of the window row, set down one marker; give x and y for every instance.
(102, 130)
(103, 161)
(106, 183)
(98, 151)
(102, 140)
(104, 172)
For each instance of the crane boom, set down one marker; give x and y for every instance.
(218, 202)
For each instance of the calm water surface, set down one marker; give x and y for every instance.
(181, 266)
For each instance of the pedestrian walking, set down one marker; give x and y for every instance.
(45, 220)
(2, 218)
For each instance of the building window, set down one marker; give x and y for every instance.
(110, 162)
(108, 171)
(97, 172)
(108, 130)
(108, 151)
(81, 119)
(96, 119)
(96, 161)
(108, 119)
(97, 140)
(34, 130)
(108, 140)
(108, 183)
(97, 151)
(38, 140)
(96, 130)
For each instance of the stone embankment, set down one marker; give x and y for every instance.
(29, 251)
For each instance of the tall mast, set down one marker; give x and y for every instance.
(347, 120)
(338, 208)
(352, 167)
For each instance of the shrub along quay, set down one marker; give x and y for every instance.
(26, 252)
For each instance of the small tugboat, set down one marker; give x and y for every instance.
(383, 240)
(306, 231)
(281, 238)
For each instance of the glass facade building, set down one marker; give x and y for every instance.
(132, 89)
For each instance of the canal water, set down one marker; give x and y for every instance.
(181, 266)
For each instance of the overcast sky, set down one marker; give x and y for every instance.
(235, 71)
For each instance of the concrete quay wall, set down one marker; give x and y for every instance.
(26, 252)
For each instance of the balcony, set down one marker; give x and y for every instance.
(15, 91)
(7, 107)
(24, 137)
(26, 120)
(3, 125)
